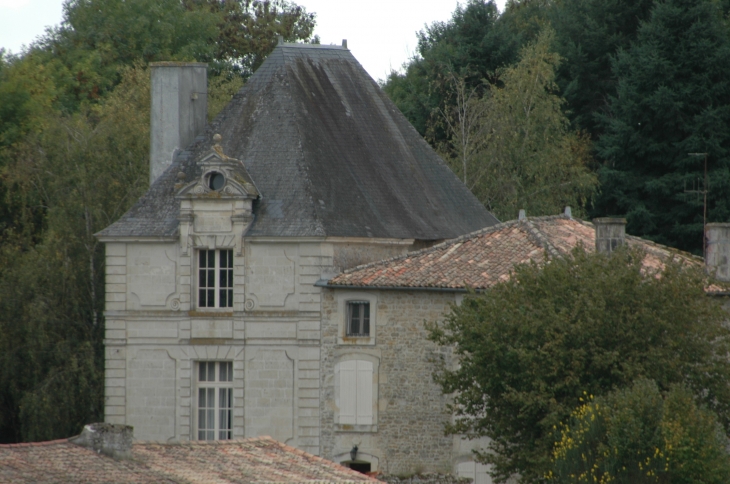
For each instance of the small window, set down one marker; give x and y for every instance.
(358, 319)
(216, 180)
(215, 400)
(215, 278)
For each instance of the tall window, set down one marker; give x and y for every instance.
(358, 318)
(215, 278)
(215, 400)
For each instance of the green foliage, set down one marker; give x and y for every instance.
(472, 45)
(513, 147)
(248, 29)
(74, 147)
(98, 38)
(221, 90)
(592, 323)
(637, 435)
(673, 98)
(76, 177)
(589, 33)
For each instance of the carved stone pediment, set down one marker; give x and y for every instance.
(222, 177)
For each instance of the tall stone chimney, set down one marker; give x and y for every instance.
(109, 439)
(179, 110)
(610, 233)
(717, 258)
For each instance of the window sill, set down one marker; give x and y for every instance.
(210, 313)
(356, 340)
(356, 428)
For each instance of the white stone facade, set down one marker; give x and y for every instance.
(156, 333)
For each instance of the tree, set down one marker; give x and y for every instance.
(673, 98)
(74, 144)
(588, 34)
(639, 435)
(529, 348)
(248, 29)
(471, 45)
(513, 147)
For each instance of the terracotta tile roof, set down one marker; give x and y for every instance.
(485, 257)
(257, 461)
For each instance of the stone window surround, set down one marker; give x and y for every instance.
(345, 296)
(375, 360)
(213, 242)
(215, 384)
(189, 357)
(216, 269)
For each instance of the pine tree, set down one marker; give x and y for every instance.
(673, 98)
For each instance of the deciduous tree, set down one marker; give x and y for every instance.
(513, 147)
(530, 347)
(640, 435)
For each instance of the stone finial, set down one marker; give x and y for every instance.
(109, 439)
(717, 259)
(180, 175)
(217, 146)
(610, 233)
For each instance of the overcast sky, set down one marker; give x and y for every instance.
(380, 33)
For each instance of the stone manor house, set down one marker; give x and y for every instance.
(275, 278)
(217, 322)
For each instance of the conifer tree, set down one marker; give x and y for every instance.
(673, 98)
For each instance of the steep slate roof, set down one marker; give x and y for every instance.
(486, 257)
(256, 461)
(330, 154)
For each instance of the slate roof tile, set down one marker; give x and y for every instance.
(260, 460)
(330, 154)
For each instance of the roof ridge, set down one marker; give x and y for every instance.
(435, 247)
(540, 238)
(36, 444)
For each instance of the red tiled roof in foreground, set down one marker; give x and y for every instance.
(256, 461)
(482, 259)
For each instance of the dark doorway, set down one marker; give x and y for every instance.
(361, 467)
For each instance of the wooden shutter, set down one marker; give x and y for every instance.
(348, 392)
(364, 393)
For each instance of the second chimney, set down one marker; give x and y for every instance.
(610, 234)
(112, 440)
(178, 111)
(717, 258)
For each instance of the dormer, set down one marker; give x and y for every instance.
(216, 207)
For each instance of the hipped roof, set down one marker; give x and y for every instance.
(481, 259)
(330, 154)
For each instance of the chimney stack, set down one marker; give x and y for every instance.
(109, 439)
(179, 110)
(610, 234)
(717, 257)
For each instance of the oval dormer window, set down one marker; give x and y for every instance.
(216, 180)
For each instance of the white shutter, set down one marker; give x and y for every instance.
(364, 392)
(348, 392)
(466, 469)
(481, 474)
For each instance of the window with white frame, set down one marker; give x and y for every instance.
(358, 319)
(215, 278)
(354, 380)
(215, 400)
